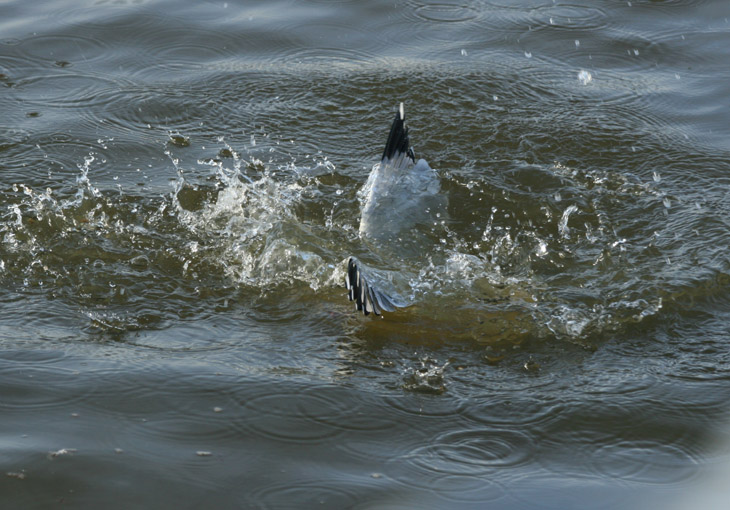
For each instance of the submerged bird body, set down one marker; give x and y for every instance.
(400, 195)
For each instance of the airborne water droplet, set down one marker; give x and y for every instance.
(585, 77)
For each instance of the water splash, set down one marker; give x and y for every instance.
(563, 228)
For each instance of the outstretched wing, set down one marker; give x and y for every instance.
(366, 296)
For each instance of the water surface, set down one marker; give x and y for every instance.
(179, 197)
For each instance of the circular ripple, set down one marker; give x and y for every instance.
(570, 17)
(12, 137)
(64, 48)
(133, 108)
(357, 416)
(646, 462)
(347, 46)
(65, 90)
(170, 49)
(42, 387)
(304, 494)
(474, 452)
(444, 12)
(288, 414)
(188, 429)
(517, 412)
(508, 18)
(448, 408)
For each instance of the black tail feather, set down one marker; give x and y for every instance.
(398, 142)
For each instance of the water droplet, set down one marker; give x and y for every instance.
(463, 52)
(495, 98)
(585, 77)
(577, 43)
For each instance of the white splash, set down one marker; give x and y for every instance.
(563, 228)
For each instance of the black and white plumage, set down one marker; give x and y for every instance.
(400, 193)
(368, 299)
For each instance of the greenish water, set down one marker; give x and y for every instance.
(179, 200)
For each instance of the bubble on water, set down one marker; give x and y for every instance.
(585, 77)
(61, 452)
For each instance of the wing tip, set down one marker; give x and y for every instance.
(367, 298)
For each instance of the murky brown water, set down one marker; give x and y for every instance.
(179, 198)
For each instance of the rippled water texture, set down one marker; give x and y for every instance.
(180, 197)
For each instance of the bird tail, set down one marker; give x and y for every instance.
(397, 148)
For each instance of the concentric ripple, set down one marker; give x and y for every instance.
(285, 414)
(476, 451)
(571, 17)
(445, 12)
(303, 494)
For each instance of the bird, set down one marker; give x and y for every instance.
(400, 202)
